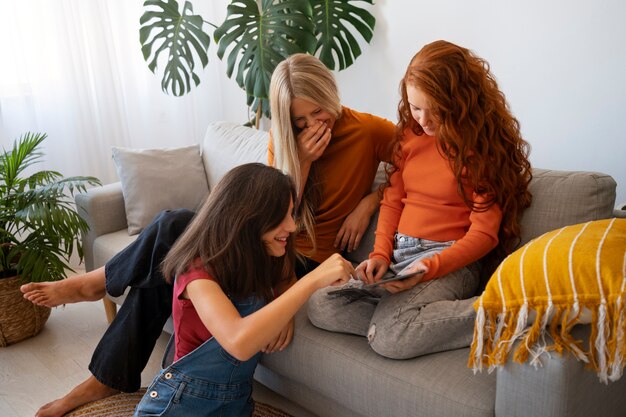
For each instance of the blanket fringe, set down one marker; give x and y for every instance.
(619, 349)
(495, 333)
(477, 348)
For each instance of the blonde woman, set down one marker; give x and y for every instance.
(331, 151)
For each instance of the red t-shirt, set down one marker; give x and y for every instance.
(189, 330)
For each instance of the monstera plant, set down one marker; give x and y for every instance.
(254, 38)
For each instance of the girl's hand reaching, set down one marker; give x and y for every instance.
(371, 270)
(333, 271)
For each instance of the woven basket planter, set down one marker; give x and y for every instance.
(19, 318)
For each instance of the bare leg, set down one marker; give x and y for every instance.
(86, 287)
(88, 391)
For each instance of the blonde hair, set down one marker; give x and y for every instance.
(305, 77)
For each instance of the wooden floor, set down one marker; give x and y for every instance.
(45, 367)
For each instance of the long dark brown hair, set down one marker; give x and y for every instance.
(476, 131)
(226, 233)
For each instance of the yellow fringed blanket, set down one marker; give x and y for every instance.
(544, 288)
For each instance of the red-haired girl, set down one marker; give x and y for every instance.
(456, 192)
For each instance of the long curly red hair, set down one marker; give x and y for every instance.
(476, 131)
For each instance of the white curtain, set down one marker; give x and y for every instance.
(74, 70)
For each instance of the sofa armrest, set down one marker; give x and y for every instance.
(560, 387)
(104, 211)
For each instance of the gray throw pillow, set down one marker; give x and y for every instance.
(159, 179)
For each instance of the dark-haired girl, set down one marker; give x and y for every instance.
(227, 264)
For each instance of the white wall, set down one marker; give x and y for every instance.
(561, 64)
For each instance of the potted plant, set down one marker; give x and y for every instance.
(257, 35)
(38, 233)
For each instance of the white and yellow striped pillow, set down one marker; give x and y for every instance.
(545, 287)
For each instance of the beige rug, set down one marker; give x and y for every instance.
(123, 405)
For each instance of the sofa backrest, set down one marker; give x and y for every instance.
(562, 198)
(227, 145)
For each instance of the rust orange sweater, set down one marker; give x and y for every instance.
(423, 202)
(346, 170)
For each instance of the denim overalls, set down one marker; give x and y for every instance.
(206, 382)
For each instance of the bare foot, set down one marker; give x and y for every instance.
(85, 287)
(86, 392)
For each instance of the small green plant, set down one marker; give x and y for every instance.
(254, 38)
(39, 226)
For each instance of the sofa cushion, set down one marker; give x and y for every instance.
(159, 179)
(561, 198)
(106, 247)
(227, 145)
(346, 370)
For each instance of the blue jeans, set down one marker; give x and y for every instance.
(433, 316)
(126, 346)
(206, 382)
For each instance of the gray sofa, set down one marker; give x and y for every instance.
(332, 374)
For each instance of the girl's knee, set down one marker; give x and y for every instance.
(395, 350)
(385, 342)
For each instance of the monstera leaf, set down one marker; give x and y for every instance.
(178, 34)
(334, 36)
(254, 38)
(260, 39)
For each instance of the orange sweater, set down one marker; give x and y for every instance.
(423, 202)
(346, 170)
